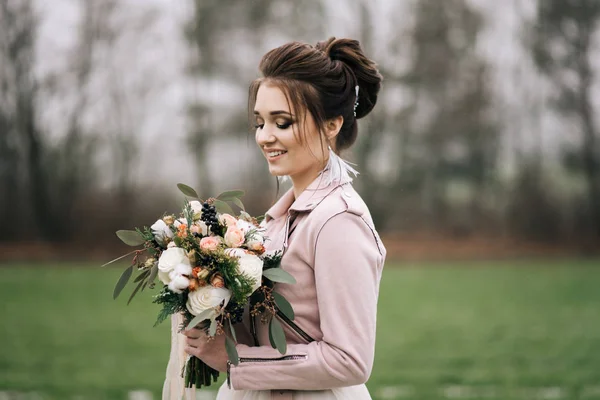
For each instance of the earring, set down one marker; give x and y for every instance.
(339, 169)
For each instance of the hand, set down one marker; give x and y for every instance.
(211, 351)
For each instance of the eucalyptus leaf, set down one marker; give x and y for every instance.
(276, 331)
(278, 275)
(142, 275)
(153, 273)
(131, 238)
(238, 203)
(212, 331)
(232, 353)
(222, 207)
(187, 190)
(271, 340)
(122, 281)
(284, 305)
(137, 288)
(199, 318)
(230, 195)
(232, 330)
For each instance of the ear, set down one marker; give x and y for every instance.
(333, 126)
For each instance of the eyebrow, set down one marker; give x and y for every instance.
(276, 112)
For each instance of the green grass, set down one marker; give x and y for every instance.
(473, 330)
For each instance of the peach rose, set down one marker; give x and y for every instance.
(193, 284)
(234, 237)
(217, 281)
(227, 220)
(210, 243)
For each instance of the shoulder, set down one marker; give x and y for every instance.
(344, 211)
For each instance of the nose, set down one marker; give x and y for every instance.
(265, 136)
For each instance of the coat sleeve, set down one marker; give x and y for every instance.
(348, 263)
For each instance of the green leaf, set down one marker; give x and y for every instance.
(232, 353)
(271, 340)
(153, 273)
(238, 203)
(141, 276)
(232, 330)
(278, 275)
(139, 285)
(213, 327)
(122, 281)
(187, 190)
(199, 318)
(276, 331)
(118, 258)
(130, 238)
(222, 207)
(230, 195)
(284, 305)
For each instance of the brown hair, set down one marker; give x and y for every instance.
(322, 80)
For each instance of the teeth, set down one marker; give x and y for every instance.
(275, 153)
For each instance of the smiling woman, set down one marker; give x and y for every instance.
(305, 109)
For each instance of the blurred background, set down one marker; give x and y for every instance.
(480, 165)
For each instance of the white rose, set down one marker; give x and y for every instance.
(207, 297)
(196, 209)
(161, 230)
(178, 282)
(171, 258)
(251, 266)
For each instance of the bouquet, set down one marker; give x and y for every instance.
(211, 265)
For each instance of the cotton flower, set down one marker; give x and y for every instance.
(170, 259)
(178, 283)
(161, 231)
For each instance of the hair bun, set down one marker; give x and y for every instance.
(365, 70)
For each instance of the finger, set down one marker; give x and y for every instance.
(194, 331)
(191, 350)
(190, 342)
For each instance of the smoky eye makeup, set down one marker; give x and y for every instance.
(284, 124)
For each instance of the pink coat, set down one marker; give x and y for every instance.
(337, 257)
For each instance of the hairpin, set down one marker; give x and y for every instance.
(356, 102)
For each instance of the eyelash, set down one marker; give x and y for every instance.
(282, 126)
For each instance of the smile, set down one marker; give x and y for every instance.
(276, 153)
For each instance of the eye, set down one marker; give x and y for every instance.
(259, 126)
(284, 125)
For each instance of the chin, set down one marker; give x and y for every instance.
(278, 172)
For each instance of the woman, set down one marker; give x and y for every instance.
(305, 109)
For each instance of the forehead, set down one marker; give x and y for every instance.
(269, 98)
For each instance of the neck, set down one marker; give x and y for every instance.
(301, 181)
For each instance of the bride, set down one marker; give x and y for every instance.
(305, 109)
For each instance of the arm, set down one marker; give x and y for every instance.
(347, 272)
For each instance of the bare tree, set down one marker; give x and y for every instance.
(562, 49)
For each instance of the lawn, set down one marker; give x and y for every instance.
(499, 330)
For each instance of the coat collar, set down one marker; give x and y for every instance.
(307, 200)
